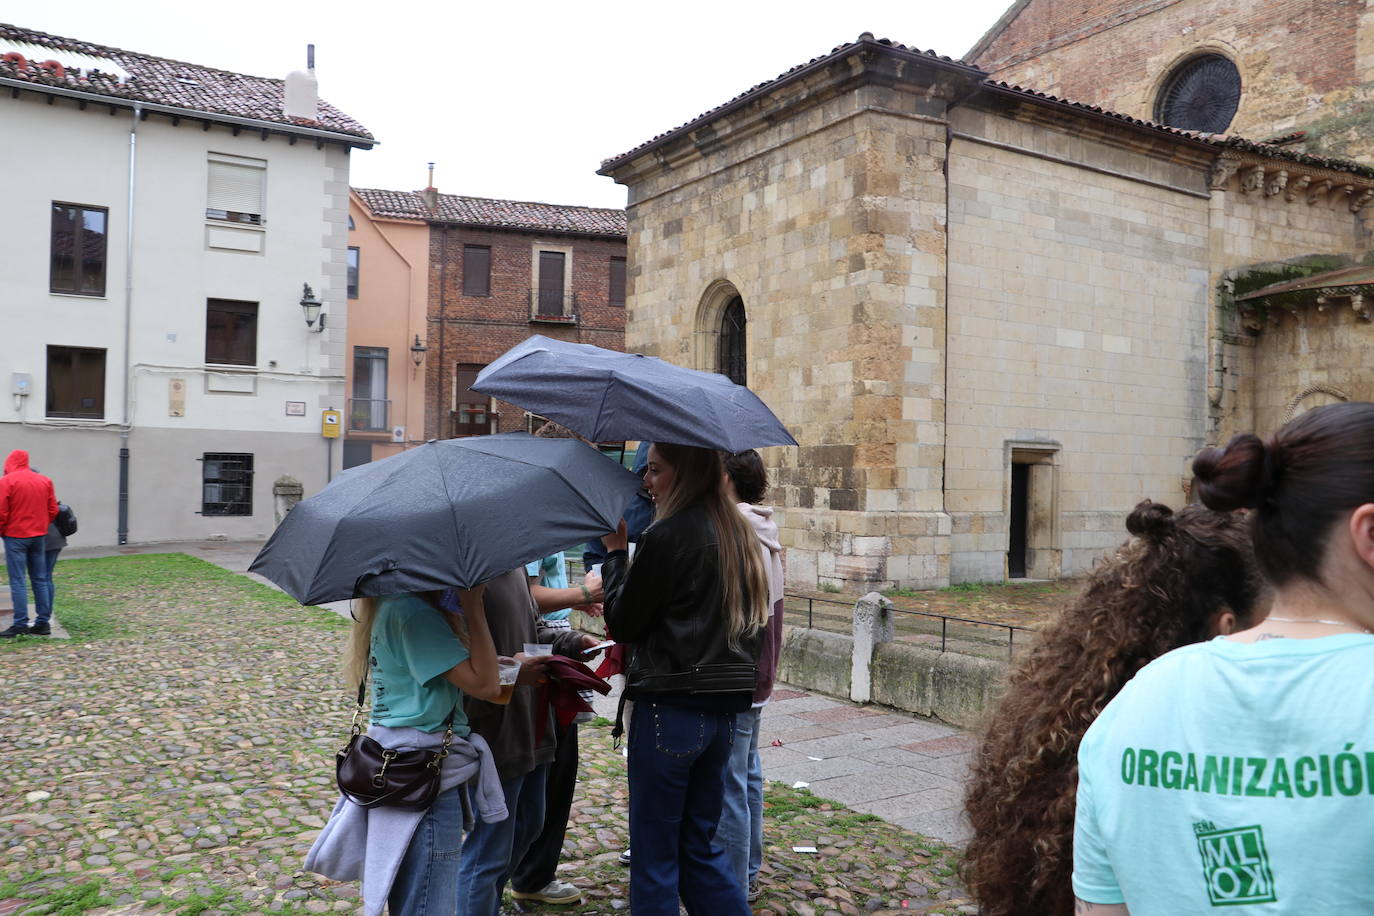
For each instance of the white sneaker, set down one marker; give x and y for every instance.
(554, 892)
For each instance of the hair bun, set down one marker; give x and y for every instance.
(1236, 477)
(1151, 520)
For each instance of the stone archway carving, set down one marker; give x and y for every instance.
(1309, 391)
(710, 312)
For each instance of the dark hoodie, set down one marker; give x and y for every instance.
(27, 501)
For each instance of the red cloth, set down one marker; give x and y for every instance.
(27, 501)
(613, 663)
(566, 678)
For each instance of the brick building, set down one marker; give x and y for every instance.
(1302, 70)
(499, 271)
(994, 319)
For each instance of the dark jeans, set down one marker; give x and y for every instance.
(27, 555)
(489, 849)
(540, 864)
(52, 583)
(677, 763)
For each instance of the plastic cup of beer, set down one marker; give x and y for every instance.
(506, 674)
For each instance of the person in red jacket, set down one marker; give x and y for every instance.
(28, 506)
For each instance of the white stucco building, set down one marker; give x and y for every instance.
(161, 222)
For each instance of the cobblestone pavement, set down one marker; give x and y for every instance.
(175, 757)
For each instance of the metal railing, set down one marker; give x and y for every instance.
(553, 305)
(369, 414)
(970, 637)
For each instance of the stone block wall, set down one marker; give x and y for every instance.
(829, 223)
(1078, 324)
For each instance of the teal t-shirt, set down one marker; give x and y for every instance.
(412, 647)
(1233, 775)
(552, 573)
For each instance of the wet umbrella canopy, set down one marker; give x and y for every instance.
(609, 396)
(454, 512)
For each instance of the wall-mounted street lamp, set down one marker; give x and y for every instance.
(311, 306)
(417, 351)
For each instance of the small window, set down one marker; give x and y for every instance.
(76, 383)
(353, 273)
(368, 410)
(226, 484)
(236, 189)
(231, 332)
(351, 224)
(476, 270)
(732, 357)
(618, 281)
(78, 250)
(471, 416)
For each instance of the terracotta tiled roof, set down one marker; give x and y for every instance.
(1217, 141)
(498, 214)
(767, 86)
(157, 80)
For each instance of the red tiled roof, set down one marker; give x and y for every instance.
(498, 214)
(1217, 141)
(157, 80)
(838, 51)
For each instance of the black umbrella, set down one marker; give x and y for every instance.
(454, 512)
(609, 396)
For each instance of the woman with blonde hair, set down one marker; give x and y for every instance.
(692, 608)
(423, 660)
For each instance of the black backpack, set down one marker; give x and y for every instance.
(65, 521)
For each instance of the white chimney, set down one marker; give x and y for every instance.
(303, 90)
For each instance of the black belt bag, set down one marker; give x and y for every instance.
(372, 776)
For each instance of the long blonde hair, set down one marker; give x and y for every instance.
(699, 476)
(358, 651)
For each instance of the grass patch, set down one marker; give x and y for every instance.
(830, 588)
(600, 722)
(903, 592)
(65, 901)
(91, 594)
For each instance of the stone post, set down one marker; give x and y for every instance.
(286, 492)
(872, 625)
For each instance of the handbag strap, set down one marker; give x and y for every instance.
(357, 728)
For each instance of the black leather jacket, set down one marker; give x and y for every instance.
(668, 610)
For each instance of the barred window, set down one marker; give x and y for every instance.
(1202, 94)
(226, 484)
(733, 358)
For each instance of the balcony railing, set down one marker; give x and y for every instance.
(369, 415)
(553, 306)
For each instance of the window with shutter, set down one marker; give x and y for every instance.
(476, 270)
(235, 189)
(231, 332)
(551, 299)
(76, 382)
(617, 281)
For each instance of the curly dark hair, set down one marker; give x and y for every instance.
(1162, 589)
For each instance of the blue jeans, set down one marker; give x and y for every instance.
(677, 763)
(427, 882)
(52, 583)
(491, 851)
(741, 818)
(27, 554)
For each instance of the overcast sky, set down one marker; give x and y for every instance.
(511, 99)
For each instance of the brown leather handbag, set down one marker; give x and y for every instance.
(373, 776)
